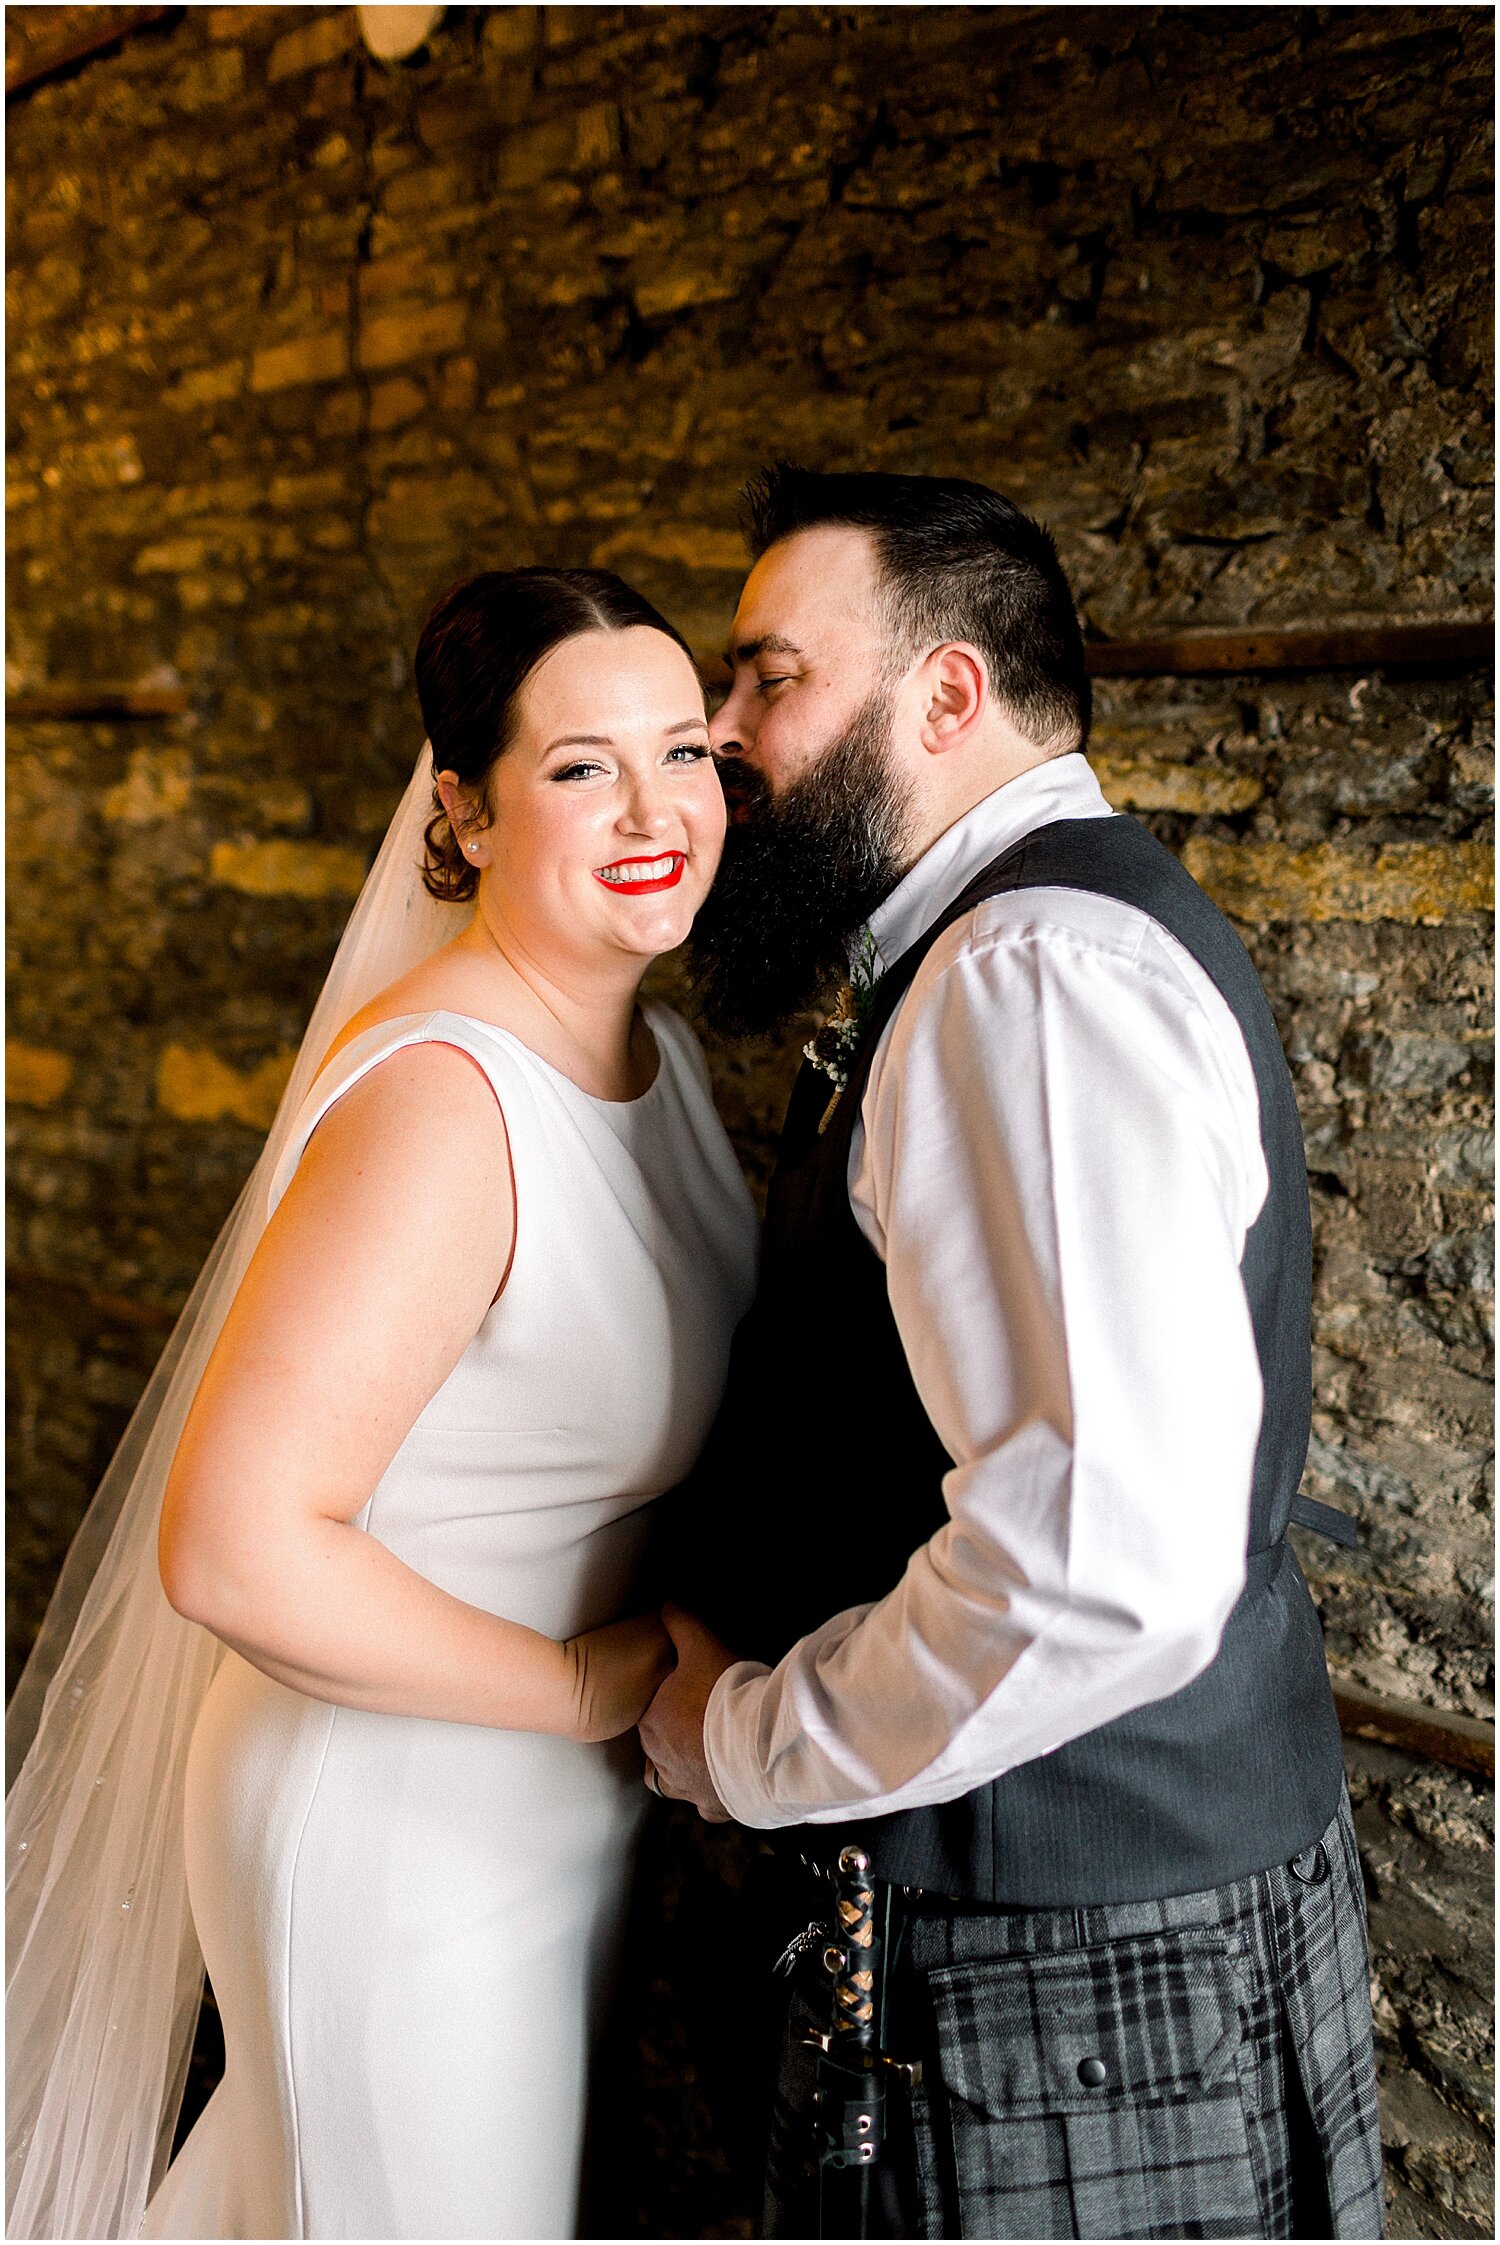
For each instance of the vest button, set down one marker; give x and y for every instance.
(1093, 2073)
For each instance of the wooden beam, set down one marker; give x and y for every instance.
(79, 702)
(35, 64)
(1429, 1732)
(1189, 654)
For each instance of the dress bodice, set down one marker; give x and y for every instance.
(590, 1385)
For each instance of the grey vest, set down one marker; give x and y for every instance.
(823, 1475)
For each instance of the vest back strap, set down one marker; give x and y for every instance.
(1325, 1520)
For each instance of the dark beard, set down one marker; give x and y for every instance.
(800, 873)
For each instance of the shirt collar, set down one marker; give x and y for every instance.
(1064, 787)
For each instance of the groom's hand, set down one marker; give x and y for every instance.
(672, 1726)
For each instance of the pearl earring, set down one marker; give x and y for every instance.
(472, 848)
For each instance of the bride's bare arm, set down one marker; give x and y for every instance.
(368, 1284)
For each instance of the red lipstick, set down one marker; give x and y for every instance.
(642, 876)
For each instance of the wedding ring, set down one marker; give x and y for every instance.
(653, 1781)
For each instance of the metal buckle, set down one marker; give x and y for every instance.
(797, 1948)
(1312, 1866)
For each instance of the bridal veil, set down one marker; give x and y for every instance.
(103, 1970)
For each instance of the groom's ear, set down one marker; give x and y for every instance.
(954, 685)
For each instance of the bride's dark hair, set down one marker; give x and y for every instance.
(480, 644)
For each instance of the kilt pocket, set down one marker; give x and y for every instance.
(1094, 2092)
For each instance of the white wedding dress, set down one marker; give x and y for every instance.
(409, 1925)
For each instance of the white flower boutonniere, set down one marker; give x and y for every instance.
(832, 1047)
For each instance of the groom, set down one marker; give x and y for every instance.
(990, 1541)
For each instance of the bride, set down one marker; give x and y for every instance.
(471, 1316)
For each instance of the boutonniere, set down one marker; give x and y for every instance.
(833, 1046)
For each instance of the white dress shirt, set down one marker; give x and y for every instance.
(1057, 1159)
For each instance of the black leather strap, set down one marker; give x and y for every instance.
(1325, 1520)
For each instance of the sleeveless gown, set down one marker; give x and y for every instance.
(410, 1924)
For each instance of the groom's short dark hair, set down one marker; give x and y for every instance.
(957, 561)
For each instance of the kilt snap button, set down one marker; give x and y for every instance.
(1093, 2073)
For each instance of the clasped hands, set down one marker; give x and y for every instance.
(671, 1729)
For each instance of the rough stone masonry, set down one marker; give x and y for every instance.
(298, 338)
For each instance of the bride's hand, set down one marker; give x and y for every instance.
(616, 1673)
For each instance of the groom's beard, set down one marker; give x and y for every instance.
(801, 872)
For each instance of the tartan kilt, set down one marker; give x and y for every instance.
(1200, 2066)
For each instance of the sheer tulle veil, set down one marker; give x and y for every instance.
(103, 1970)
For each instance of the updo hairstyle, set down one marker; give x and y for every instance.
(480, 644)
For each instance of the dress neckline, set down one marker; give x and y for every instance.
(433, 1013)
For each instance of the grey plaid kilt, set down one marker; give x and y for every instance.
(1233, 2029)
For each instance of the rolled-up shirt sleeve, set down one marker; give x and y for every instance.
(1058, 1163)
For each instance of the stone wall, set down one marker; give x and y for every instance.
(298, 338)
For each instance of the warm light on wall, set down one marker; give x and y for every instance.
(395, 33)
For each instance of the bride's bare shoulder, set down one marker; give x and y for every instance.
(440, 984)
